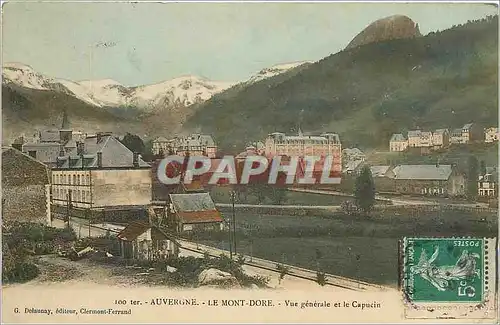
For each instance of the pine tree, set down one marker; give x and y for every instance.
(364, 190)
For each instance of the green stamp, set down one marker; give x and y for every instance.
(443, 269)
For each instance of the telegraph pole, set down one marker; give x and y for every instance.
(233, 198)
(69, 207)
(230, 240)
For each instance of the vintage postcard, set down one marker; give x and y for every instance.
(249, 162)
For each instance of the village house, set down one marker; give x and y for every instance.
(419, 141)
(491, 135)
(380, 179)
(488, 183)
(103, 178)
(425, 139)
(142, 241)
(352, 154)
(47, 145)
(414, 138)
(195, 145)
(193, 212)
(456, 137)
(440, 138)
(398, 143)
(352, 160)
(352, 167)
(25, 187)
(439, 180)
(472, 132)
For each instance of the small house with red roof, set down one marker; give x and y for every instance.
(193, 212)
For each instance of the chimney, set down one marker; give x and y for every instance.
(135, 161)
(99, 136)
(99, 159)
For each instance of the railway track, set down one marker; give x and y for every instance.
(294, 271)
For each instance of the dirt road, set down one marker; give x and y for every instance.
(56, 269)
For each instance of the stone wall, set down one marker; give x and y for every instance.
(24, 203)
(24, 181)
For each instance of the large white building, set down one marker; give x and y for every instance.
(326, 144)
(99, 175)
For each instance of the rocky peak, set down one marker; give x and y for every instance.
(392, 27)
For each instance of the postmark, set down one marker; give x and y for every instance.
(441, 277)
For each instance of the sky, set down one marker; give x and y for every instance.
(144, 43)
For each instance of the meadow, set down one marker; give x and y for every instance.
(362, 249)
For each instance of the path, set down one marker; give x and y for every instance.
(405, 201)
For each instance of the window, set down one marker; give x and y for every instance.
(88, 179)
(78, 180)
(32, 153)
(74, 179)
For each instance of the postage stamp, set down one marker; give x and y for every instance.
(456, 274)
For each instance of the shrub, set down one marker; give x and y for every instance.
(349, 208)
(283, 270)
(321, 278)
(19, 271)
(241, 259)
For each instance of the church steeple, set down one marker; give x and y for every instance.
(65, 121)
(299, 125)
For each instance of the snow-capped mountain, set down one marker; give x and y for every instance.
(24, 75)
(275, 70)
(183, 91)
(178, 92)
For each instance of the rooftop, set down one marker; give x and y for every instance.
(133, 230)
(114, 154)
(422, 172)
(399, 137)
(192, 202)
(379, 171)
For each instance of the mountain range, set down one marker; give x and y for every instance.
(365, 93)
(388, 79)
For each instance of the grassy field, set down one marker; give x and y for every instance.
(361, 249)
(221, 195)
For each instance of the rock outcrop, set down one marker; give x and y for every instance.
(216, 278)
(389, 28)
